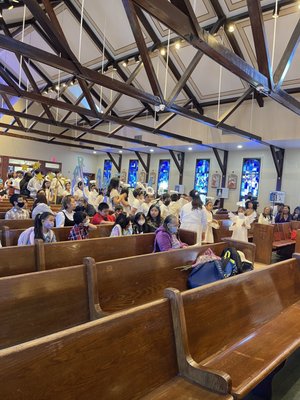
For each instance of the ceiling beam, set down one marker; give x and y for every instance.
(235, 106)
(260, 39)
(67, 66)
(139, 38)
(287, 57)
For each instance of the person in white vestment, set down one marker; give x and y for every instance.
(193, 216)
(211, 223)
(240, 224)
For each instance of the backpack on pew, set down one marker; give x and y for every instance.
(238, 257)
(211, 271)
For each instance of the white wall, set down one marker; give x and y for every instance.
(41, 151)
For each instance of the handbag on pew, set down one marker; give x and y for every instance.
(293, 234)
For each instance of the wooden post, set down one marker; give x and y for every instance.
(92, 281)
(214, 380)
(40, 261)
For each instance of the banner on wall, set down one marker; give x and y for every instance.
(277, 197)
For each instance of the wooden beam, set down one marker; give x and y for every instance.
(278, 158)
(288, 56)
(234, 107)
(118, 163)
(10, 107)
(139, 38)
(179, 162)
(67, 66)
(260, 39)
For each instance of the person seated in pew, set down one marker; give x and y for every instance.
(137, 204)
(102, 216)
(296, 214)
(122, 227)
(166, 236)
(154, 219)
(211, 223)
(83, 205)
(67, 191)
(66, 216)
(284, 216)
(2, 190)
(42, 229)
(82, 226)
(240, 224)
(251, 207)
(139, 224)
(266, 216)
(119, 209)
(40, 205)
(17, 211)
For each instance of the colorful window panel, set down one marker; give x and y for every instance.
(250, 177)
(133, 172)
(202, 176)
(163, 176)
(107, 172)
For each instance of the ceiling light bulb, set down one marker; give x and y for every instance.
(94, 152)
(151, 150)
(299, 5)
(163, 51)
(190, 148)
(177, 45)
(120, 151)
(11, 7)
(125, 63)
(57, 87)
(64, 85)
(231, 28)
(239, 146)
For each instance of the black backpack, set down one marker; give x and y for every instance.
(231, 253)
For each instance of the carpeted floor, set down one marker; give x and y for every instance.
(286, 384)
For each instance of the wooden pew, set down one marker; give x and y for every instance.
(132, 281)
(128, 356)
(11, 236)
(265, 238)
(35, 305)
(239, 330)
(17, 223)
(47, 300)
(65, 254)
(2, 215)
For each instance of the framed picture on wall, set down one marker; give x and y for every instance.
(152, 178)
(142, 177)
(215, 181)
(123, 175)
(232, 181)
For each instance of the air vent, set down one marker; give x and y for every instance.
(138, 137)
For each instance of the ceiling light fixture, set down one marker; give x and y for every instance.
(137, 59)
(239, 146)
(299, 5)
(120, 151)
(151, 151)
(177, 45)
(11, 7)
(190, 148)
(94, 152)
(163, 51)
(231, 28)
(125, 63)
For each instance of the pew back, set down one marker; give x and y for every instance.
(233, 308)
(34, 305)
(17, 223)
(132, 281)
(18, 260)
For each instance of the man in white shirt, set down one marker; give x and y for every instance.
(35, 184)
(137, 205)
(17, 180)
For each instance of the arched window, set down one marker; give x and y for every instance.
(250, 177)
(133, 172)
(163, 176)
(202, 176)
(107, 172)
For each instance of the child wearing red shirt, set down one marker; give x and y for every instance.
(102, 216)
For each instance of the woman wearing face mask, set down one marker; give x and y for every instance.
(166, 236)
(122, 226)
(82, 226)
(139, 224)
(154, 219)
(42, 229)
(193, 216)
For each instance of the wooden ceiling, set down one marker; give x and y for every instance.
(89, 87)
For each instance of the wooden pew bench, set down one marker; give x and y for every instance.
(39, 257)
(239, 330)
(132, 281)
(11, 236)
(54, 300)
(269, 238)
(128, 356)
(16, 223)
(224, 232)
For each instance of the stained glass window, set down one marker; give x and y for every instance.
(133, 172)
(163, 176)
(250, 177)
(107, 172)
(202, 176)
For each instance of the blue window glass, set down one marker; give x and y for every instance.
(202, 176)
(133, 172)
(107, 172)
(250, 177)
(163, 176)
